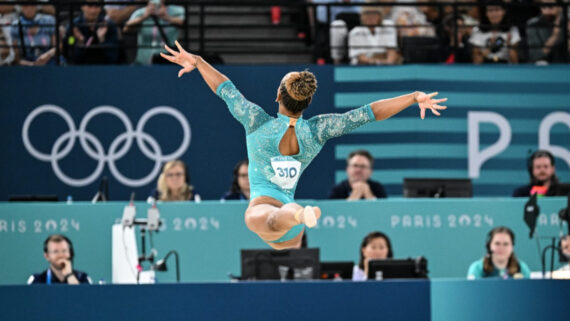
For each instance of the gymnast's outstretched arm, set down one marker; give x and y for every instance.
(247, 113)
(189, 62)
(387, 108)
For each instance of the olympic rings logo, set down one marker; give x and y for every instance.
(59, 151)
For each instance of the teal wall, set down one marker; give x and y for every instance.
(209, 235)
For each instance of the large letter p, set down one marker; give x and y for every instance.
(476, 157)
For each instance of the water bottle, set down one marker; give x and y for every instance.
(69, 200)
(379, 276)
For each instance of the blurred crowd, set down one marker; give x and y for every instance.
(358, 32)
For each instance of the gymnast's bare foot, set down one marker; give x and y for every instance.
(308, 216)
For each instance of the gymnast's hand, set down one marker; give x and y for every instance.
(425, 101)
(185, 59)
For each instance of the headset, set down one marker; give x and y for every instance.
(51, 237)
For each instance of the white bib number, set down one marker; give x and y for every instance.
(287, 171)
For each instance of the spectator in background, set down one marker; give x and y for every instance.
(358, 185)
(469, 13)
(450, 54)
(119, 14)
(6, 51)
(342, 20)
(93, 39)
(387, 11)
(58, 251)
(33, 37)
(565, 251)
(500, 260)
(375, 246)
(375, 42)
(544, 35)
(413, 21)
(174, 184)
(7, 14)
(240, 183)
(543, 179)
(157, 24)
(434, 19)
(495, 39)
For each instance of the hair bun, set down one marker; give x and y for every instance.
(301, 85)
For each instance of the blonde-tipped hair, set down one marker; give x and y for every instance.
(164, 194)
(301, 85)
(297, 90)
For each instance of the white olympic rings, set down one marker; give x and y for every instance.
(98, 153)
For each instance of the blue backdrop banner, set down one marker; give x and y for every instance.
(65, 129)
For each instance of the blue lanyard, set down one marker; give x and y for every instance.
(48, 281)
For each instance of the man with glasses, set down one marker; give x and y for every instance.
(58, 251)
(358, 185)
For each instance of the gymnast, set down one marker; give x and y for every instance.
(280, 148)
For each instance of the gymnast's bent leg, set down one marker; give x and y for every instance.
(271, 220)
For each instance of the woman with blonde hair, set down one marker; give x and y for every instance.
(174, 183)
(280, 148)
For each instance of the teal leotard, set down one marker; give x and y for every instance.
(270, 173)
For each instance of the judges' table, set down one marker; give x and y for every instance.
(209, 235)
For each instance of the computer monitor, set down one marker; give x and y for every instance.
(438, 187)
(343, 269)
(32, 198)
(398, 269)
(294, 264)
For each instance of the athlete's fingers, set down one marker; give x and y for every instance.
(167, 57)
(174, 53)
(432, 94)
(182, 72)
(179, 46)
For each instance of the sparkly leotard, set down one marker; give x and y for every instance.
(270, 173)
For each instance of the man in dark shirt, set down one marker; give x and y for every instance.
(58, 251)
(543, 178)
(358, 185)
(92, 38)
(545, 35)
